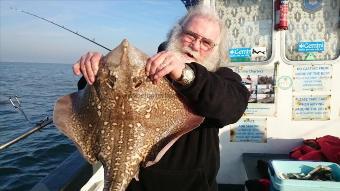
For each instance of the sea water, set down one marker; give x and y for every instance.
(38, 85)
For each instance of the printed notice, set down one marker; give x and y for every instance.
(316, 107)
(249, 130)
(312, 78)
(260, 82)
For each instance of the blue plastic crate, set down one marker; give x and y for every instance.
(278, 183)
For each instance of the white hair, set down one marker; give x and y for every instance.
(219, 52)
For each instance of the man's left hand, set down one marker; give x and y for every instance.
(163, 63)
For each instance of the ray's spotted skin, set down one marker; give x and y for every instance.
(123, 120)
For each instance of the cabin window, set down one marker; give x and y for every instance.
(313, 30)
(249, 25)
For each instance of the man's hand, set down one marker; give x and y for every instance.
(88, 65)
(163, 63)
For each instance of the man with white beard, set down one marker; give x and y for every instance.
(191, 60)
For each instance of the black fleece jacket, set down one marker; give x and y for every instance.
(192, 163)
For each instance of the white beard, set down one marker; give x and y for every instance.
(210, 63)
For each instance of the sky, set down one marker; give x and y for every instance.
(24, 38)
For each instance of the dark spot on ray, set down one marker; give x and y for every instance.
(112, 80)
(138, 81)
(138, 84)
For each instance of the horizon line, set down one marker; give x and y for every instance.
(32, 62)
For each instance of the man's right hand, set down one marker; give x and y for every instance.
(88, 65)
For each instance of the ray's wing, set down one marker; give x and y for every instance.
(75, 115)
(163, 116)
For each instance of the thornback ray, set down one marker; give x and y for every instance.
(123, 120)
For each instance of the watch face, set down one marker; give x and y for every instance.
(188, 75)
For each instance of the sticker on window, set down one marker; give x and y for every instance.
(311, 46)
(240, 54)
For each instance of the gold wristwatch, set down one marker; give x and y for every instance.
(187, 77)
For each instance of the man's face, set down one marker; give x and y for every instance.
(199, 37)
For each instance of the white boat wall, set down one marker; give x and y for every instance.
(295, 94)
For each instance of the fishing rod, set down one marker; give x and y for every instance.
(60, 26)
(15, 100)
(39, 125)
